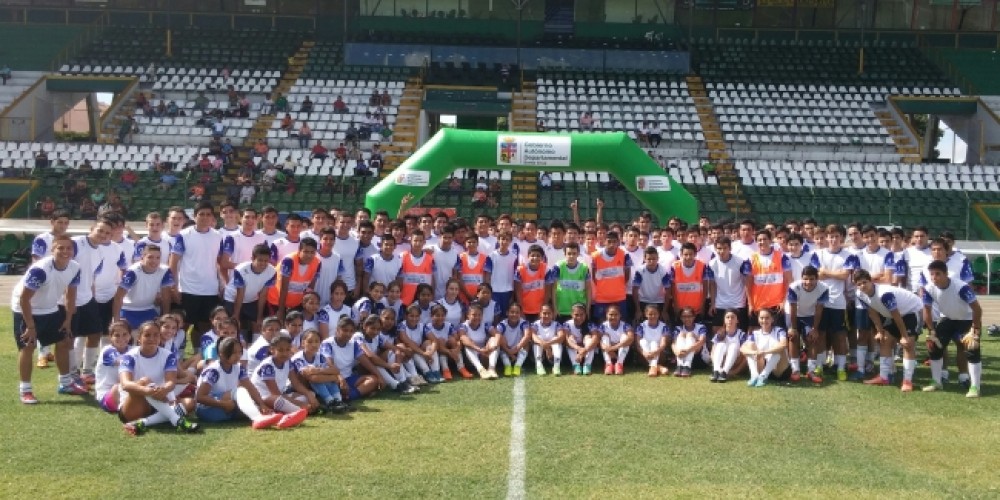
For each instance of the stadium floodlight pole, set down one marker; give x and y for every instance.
(519, 5)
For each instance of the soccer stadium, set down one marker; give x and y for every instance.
(500, 248)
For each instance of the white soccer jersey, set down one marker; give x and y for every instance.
(153, 367)
(331, 268)
(49, 284)
(141, 287)
(889, 298)
(546, 332)
(799, 263)
(42, 245)
(512, 334)
(444, 265)
(445, 331)
(917, 260)
(220, 380)
(767, 340)
(577, 332)
(524, 245)
(330, 316)
(652, 284)
(744, 250)
(127, 246)
(198, 268)
(952, 302)
(239, 246)
(637, 257)
(252, 282)
(652, 333)
(844, 259)
(489, 310)
(477, 335)
(165, 245)
(257, 353)
(614, 334)
(553, 254)
(487, 244)
(382, 270)
(348, 250)
(275, 236)
(416, 334)
(283, 247)
(345, 357)
(876, 262)
(806, 300)
(730, 287)
(456, 312)
(502, 267)
(106, 371)
(269, 370)
(300, 361)
(106, 282)
(366, 251)
(91, 262)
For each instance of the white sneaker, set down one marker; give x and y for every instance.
(492, 374)
(413, 380)
(420, 380)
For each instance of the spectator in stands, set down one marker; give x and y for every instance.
(307, 106)
(244, 107)
(157, 165)
(88, 210)
(46, 206)
(267, 106)
(161, 109)
(41, 159)
(539, 125)
(340, 155)
(232, 97)
(545, 181)
(218, 128)
(455, 184)
(247, 192)
(246, 171)
(708, 168)
(280, 103)
(287, 123)
(655, 135)
(504, 73)
(374, 99)
(479, 198)
(339, 106)
(386, 133)
(193, 162)
(215, 147)
(204, 164)
(260, 149)
(496, 190)
(329, 186)
(60, 166)
(305, 135)
(351, 134)
(128, 179)
(290, 187)
(642, 135)
(319, 151)
(5, 73)
(142, 103)
(289, 165)
(225, 72)
(167, 181)
(386, 99)
(197, 192)
(228, 151)
(481, 184)
(361, 168)
(201, 102)
(586, 121)
(85, 168)
(172, 110)
(375, 159)
(128, 128)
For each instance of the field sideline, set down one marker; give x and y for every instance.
(619, 437)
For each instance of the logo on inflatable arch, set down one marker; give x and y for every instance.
(508, 150)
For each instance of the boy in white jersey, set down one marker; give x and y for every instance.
(501, 264)
(916, 257)
(960, 318)
(239, 246)
(154, 235)
(806, 299)
(894, 315)
(289, 243)
(347, 246)
(331, 265)
(87, 326)
(230, 218)
(43, 303)
(269, 225)
(651, 284)
(195, 261)
(446, 254)
(242, 297)
(835, 264)
(880, 264)
(40, 247)
(798, 256)
(383, 267)
(727, 288)
(145, 285)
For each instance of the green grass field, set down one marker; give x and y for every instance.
(610, 437)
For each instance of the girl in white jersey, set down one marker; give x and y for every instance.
(425, 300)
(186, 373)
(446, 338)
(310, 312)
(294, 326)
(282, 389)
(329, 316)
(423, 350)
(146, 378)
(514, 341)
(345, 351)
(380, 352)
(319, 372)
(547, 336)
(261, 347)
(452, 304)
(766, 350)
(726, 358)
(400, 351)
(689, 340)
(616, 337)
(582, 340)
(654, 337)
(106, 371)
(370, 304)
(225, 392)
(393, 300)
(481, 342)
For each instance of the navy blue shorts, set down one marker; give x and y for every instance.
(87, 320)
(834, 321)
(48, 328)
(136, 318)
(352, 385)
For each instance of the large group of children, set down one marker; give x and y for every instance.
(341, 305)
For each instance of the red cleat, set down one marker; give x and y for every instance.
(292, 419)
(877, 380)
(466, 374)
(795, 377)
(267, 421)
(907, 386)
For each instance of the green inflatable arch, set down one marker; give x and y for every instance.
(614, 153)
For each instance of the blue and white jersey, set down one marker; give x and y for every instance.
(578, 332)
(738, 337)
(914, 260)
(49, 284)
(197, 272)
(545, 331)
(425, 312)
(799, 263)
(106, 282)
(153, 367)
(239, 245)
(877, 262)
(176, 345)
(42, 245)
(652, 333)
(615, 334)
(730, 286)
(91, 261)
(767, 340)
(397, 308)
(106, 371)
(416, 334)
(142, 287)
(345, 357)
(300, 361)
(479, 335)
(806, 300)
(269, 370)
(165, 245)
(309, 323)
(512, 334)
(959, 268)
(444, 264)
(889, 298)
(252, 282)
(698, 330)
(348, 248)
(839, 261)
(331, 268)
(366, 306)
(330, 316)
(489, 310)
(652, 284)
(257, 353)
(283, 247)
(502, 267)
(375, 344)
(382, 270)
(456, 312)
(206, 342)
(445, 331)
(272, 237)
(220, 380)
(952, 302)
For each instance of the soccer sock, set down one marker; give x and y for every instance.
(861, 354)
(443, 361)
(589, 358)
(521, 356)
(871, 357)
(936, 365)
(975, 373)
(821, 359)
(474, 359)
(333, 389)
(770, 361)
(167, 409)
(841, 361)
(557, 354)
(607, 358)
(282, 405)
(538, 354)
(246, 404)
(43, 350)
(752, 365)
(505, 359)
(387, 378)
(65, 379)
(732, 352)
(434, 365)
(795, 364)
(493, 359)
(402, 374)
(90, 358)
(79, 344)
(322, 391)
(460, 363)
(24, 387)
(155, 419)
(909, 366)
(962, 377)
(885, 367)
(718, 356)
(411, 367)
(810, 365)
(687, 360)
(105, 341)
(623, 352)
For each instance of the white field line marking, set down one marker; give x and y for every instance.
(515, 476)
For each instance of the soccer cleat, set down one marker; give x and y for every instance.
(609, 369)
(856, 377)
(715, 377)
(852, 367)
(933, 387)
(483, 373)
(679, 372)
(877, 380)
(761, 382)
(421, 380)
(187, 426)
(752, 382)
(446, 373)
(973, 392)
(517, 371)
(293, 419)
(28, 398)
(337, 406)
(136, 428)
(816, 377)
(556, 370)
(88, 377)
(796, 376)
(540, 370)
(619, 368)
(466, 374)
(73, 389)
(267, 421)
(43, 362)
(508, 371)
(722, 377)
(653, 372)
(405, 388)
(577, 370)
(907, 386)
(966, 384)
(586, 369)
(842, 375)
